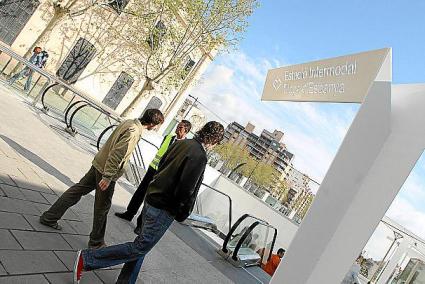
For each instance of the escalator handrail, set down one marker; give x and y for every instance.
(230, 202)
(69, 109)
(231, 231)
(236, 225)
(244, 236)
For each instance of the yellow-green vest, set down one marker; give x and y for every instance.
(164, 147)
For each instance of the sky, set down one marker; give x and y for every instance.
(290, 32)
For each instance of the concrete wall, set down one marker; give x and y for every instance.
(243, 202)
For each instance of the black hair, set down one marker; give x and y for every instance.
(280, 251)
(212, 133)
(152, 116)
(187, 125)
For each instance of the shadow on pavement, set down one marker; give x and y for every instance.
(37, 160)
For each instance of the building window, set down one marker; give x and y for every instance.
(188, 67)
(157, 33)
(155, 102)
(118, 90)
(13, 17)
(76, 61)
(118, 5)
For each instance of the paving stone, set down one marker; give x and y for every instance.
(67, 258)
(60, 278)
(35, 223)
(51, 198)
(80, 227)
(13, 221)
(108, 275)
(12, 191)
(2, 270)
(5, 179)
(41, 208)
(26, 262)
(31, 240)
(34, 196)
(29, 174)
(76, 241)
(24, 279)
(2, 193)
(7, 241)
(41, 187)
(18, 206)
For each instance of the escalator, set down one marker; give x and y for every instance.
(249, 242)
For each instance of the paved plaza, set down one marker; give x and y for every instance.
(37, 163)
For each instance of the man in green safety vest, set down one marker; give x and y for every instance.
(136, 201)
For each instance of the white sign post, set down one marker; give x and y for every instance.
(377, 154)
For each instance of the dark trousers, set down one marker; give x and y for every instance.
(138, 197)
(102, 204)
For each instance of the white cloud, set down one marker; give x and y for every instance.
(404, 213)
(232, 88)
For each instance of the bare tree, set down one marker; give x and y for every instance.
(177, 29)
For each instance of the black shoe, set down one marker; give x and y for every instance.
(55, 225)
(124, 215)
(138, 230)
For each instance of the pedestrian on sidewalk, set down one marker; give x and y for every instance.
(36, 59)
(107, 167)
(171, 196)
(137, 199)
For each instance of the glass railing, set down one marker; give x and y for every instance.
(217, 219)
(249, 242)
(60, 100)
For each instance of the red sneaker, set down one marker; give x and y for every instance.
(78, 267)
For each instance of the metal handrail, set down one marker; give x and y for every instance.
(58, 81)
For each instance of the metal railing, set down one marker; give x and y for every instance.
(58, 81)
(84, 100)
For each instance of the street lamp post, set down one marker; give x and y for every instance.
(381, 266)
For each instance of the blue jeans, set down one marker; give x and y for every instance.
(26, 72)
(155, 223)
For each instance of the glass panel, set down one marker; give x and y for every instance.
(206, 206)
(76, 61)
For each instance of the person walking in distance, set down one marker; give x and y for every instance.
(137, 199)
(171, 196)
(35, 59)
(107, 167)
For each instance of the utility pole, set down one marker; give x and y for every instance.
(191, 106)
(381, 266)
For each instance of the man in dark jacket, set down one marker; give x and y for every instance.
(171, 196)
(137, 199)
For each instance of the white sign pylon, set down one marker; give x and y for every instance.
(376, 156)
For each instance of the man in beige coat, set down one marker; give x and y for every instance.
(107, 167)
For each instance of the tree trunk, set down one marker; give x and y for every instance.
(147, 86)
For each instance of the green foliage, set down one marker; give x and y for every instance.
(262, 174)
